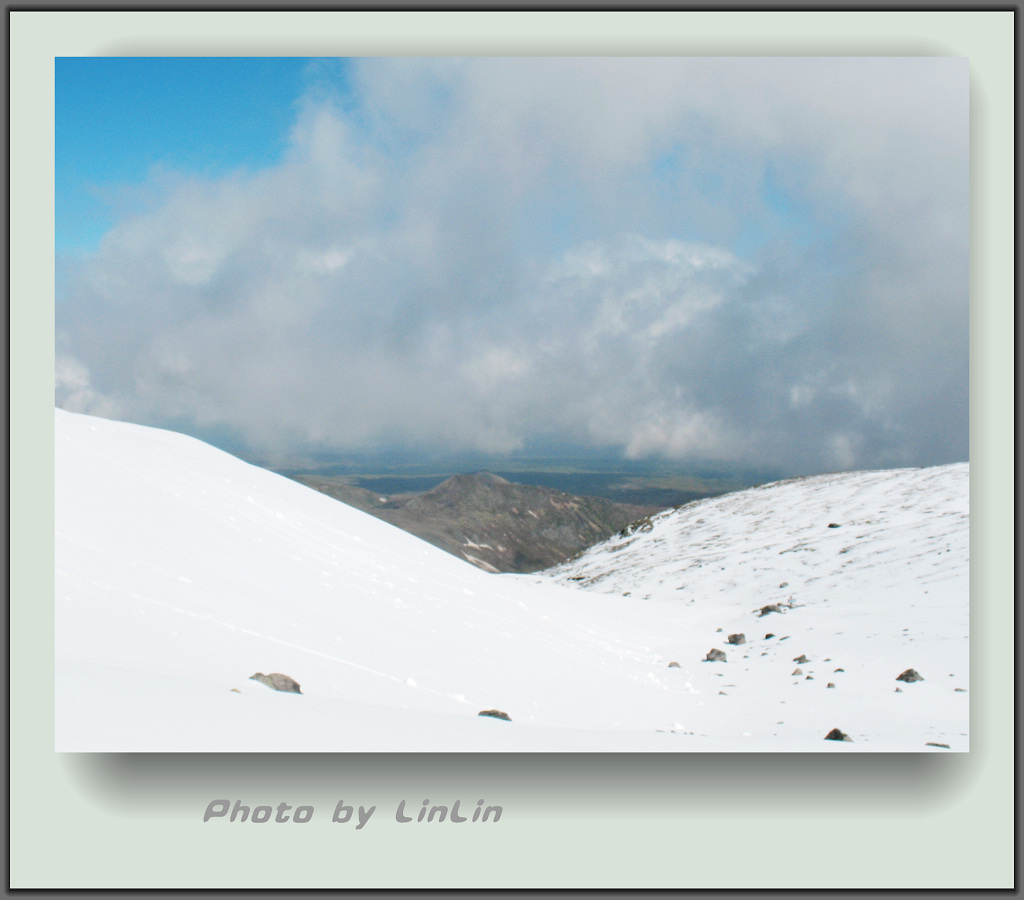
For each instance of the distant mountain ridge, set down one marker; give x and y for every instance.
(493, 523)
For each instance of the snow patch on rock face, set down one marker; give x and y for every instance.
(180, 571)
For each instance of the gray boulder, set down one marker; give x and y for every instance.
(495, 714)
(909, 676)
(278, 682)
(836, 735)
(737, 639)
(715, 655)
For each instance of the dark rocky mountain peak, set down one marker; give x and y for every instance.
(493, 523)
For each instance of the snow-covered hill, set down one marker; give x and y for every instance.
(865, 574)
(181, 571)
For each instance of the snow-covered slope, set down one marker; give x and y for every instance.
(865, 574)
(181, 571)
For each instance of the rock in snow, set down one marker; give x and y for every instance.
(909, 676)
(277, 681)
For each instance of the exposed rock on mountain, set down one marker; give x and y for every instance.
(495, 524)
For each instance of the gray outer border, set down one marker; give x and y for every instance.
(573, 821)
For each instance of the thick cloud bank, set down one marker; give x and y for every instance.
(756, 261)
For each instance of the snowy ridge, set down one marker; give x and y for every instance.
(869, 575)
(181, 571)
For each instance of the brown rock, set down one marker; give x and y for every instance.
(278, 682)
(909, 676)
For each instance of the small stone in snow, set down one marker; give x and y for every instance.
(909, 676)
(715, 655)
(277, 681)
(673, 665)
(830, 684)
(495, 714)
(836, 735)
(800, 659)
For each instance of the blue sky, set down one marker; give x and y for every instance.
(743, 261)
(119, 118)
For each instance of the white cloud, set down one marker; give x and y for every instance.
(192, 264)
(682, 434)
(489, 368)
(74, 391)
(659, 255)
(325, 262)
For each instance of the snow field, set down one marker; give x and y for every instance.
(181, 571)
